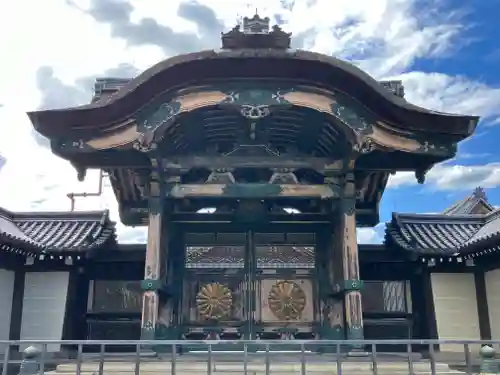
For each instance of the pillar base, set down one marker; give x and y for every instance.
(148, 333)
(331, 333)
(356, 333)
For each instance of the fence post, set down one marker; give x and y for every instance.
(31, 361)
(489, 365)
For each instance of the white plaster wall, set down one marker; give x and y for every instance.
(6, 292)
(455, 305)
(492, 280)
(44, 306)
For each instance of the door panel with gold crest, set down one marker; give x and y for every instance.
(285, 298)
(214, 292)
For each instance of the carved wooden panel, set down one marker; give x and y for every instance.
(113, 296)
(286, 301)
(215, 299)
(113, 329)
(285, 256)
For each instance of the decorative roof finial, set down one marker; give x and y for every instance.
(256, 25)
(257, 34)
(479, 193)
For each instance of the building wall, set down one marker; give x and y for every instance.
(492, 281)
(6, 293)
(44, 306)
(455, 306)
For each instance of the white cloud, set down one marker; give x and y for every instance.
(446, 177)
(441, 92)
(371, 235)
(383, 36)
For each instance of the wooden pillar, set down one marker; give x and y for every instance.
(350, 262)
(334, 276)
(152, 282)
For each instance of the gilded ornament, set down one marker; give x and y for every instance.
(287, 300)
(214, 301)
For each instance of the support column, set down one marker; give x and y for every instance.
(152, 282)
(330, 274)
(350, 262)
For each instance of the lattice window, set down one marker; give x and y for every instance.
(215, 257)
(285, 256)
(387, 297)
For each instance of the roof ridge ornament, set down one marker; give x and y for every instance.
(479, 193)
(256, 34)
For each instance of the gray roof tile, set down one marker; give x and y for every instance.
(443, 234)
(55, 231)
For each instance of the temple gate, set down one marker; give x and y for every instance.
(252, 167)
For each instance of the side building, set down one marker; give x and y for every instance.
(64, 276)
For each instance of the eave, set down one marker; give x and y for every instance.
(107, 116)
(48, 233)
(452, 236)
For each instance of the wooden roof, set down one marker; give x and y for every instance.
(255, 90)
(102, 116)
(34, 233)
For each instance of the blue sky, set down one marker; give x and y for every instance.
(476, 57)
(445, 52)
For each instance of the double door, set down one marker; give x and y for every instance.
(248, 285)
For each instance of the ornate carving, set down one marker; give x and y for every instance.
(365, 146)
(255, 112)
(287, 300)
(256, 34)
(255, 104)
(258, 102)
(214, 301)
(164, 113)
(349, 116)
(149, 129)
(479, 193)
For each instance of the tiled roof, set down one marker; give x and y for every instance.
(450, 235)
(476, 203)
(55, 231)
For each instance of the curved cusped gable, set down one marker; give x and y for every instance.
(255, 101)
(113, 114)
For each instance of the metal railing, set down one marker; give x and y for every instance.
(250, 357)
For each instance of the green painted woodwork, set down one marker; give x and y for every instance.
(348, 205)
(148, 333)
(332, 333)
(150, 285)
(254, 96)
(348, 286)
(156, 205)
(355, 333)
(162, 115)
(254, 102)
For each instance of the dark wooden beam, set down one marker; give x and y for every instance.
(181, 164)
(135, 213)
(189, 217)
(16, 314)
(429, 310)
(482, 305)
(251, 191)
